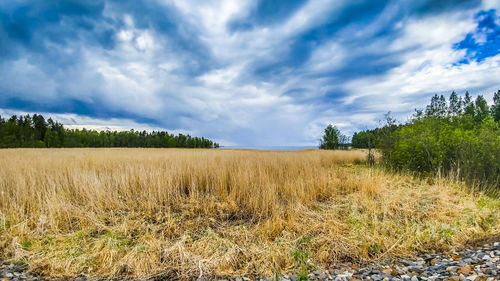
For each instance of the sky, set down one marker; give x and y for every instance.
(243, 72)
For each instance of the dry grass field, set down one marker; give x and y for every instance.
(186, 213)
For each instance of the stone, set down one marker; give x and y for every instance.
(452, 268)
(464, 270)
(414, 278)
(9, 275)
(481, 278)
(387, 271)
(405, 277)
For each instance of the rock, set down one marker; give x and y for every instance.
(387, 270)
(9, 275)
(471, 278)
(481, 278)
(452, 268)
(414, 278)
(416, 269)
(405, 277)
(464, 270)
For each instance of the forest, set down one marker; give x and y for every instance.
(37, 132)
(458, 137)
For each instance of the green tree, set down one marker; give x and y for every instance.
(332, 138)
(495, 108)
(437, 107)
(481, 109)
(455, 107)
(469, 107)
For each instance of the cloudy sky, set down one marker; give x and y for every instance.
(242, 72)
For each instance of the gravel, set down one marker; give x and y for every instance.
(478, 264)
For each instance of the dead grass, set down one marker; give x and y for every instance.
(185, 213)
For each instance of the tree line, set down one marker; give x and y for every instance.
(458, 137)
(37, 132)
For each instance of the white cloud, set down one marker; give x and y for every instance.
(429, 67)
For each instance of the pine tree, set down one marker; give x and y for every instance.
(481, 109)
(495, 108)
(437, 107)
(469, 107)
(455, 107)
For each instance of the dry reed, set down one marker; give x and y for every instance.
(185, 213)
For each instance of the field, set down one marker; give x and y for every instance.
(184, 213)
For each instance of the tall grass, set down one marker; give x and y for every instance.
(186, 213)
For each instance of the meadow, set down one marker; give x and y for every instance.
(184, 213)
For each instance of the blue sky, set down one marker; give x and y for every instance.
(242, 72)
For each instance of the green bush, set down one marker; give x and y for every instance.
(463, 145)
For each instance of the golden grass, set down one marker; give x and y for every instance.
(185, 213)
